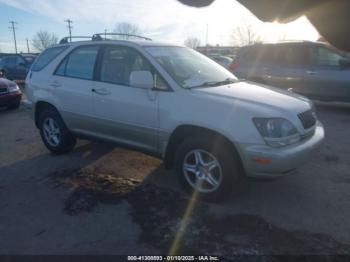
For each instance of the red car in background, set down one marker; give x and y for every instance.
(10, 94)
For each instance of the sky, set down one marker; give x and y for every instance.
(161, 20)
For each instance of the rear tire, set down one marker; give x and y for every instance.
(54, 132)
(195, 161)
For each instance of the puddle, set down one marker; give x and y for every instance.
(160, 213)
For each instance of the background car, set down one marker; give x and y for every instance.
(225, 61)
(10, 94)
(16, 66)
(313, 69)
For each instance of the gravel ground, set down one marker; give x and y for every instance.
(101, 199)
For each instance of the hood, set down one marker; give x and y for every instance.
(6, 83)
(262, 95)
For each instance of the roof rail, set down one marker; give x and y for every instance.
(99, 37)
(102, 36)
(68, 39)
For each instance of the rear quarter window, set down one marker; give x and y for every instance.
(46, 57)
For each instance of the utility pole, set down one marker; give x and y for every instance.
(13, 27)
(69, 22)
(105, 34)
(28, 46)
(207, 35)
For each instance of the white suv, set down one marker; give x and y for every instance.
(173, 103)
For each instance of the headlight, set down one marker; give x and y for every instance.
(277, 132)
(13, 89)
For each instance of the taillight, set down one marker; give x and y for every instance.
(233, 66)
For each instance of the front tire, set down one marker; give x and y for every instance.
(207, 169)
(54, 132)
(14, 106)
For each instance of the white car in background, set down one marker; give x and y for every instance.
(173, 103)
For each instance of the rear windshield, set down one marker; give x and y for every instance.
(47, 56)
(29, 58)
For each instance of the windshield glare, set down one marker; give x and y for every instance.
(189, 68)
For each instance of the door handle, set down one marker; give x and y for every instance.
(55, 84)
(311, 72)
(101, 91)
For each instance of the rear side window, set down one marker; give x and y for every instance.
(258, 54)
(291, 55)
(80, 63)
(46, 57)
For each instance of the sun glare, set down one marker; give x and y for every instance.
(300, 29)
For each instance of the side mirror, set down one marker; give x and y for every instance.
(141, 79)
(344, 63)
(22, 64)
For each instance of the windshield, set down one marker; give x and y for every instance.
(189, 68)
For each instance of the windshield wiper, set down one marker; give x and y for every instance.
(217, 83)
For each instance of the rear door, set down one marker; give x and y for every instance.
(72, 83)
(288, 67)
(125, 114)
(326, 79)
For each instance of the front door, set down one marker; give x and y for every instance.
(327, 79)
(125, 114)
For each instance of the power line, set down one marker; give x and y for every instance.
(13, 27)
(69, 22)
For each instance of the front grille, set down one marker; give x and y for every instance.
(308, 119)
(3, 90)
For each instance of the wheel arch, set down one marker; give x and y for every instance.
(40, 106)
(184, 131)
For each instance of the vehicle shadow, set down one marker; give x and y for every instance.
(43, 163)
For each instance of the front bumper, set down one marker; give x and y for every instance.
(283, 161)
(10, 99)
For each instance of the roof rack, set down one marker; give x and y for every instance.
(99, 36)
(68, 39)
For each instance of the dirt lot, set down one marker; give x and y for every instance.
(101, 199)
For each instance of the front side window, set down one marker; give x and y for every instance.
(189, 68)
(20, 61)
(80, 63)
(46, 57)
(119, 62)
(326, 57)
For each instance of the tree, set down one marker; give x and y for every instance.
(192, 42)
(245, 35)
(127, 29)
(43, 40)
